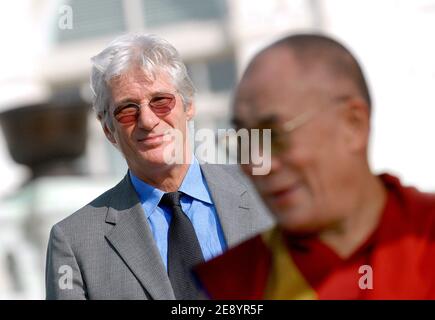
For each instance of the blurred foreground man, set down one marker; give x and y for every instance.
(140, 239)
(343, 232)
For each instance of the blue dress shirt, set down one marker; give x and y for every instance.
(196, 203)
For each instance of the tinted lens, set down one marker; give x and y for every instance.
(280, 140)
(127, 114)
(162, 104)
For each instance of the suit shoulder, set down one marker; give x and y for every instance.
(227, 171)
(90, 214)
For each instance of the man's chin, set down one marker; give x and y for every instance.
(165, 154)
(156, 161)
(152, 158)
(157, 158)
(297, 221)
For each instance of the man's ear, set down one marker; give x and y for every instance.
(357, 119)
(190, 111)
(108, 133)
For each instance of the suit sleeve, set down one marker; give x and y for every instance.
(63, 279)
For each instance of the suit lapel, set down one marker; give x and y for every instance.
(231, 200)
(132, 238)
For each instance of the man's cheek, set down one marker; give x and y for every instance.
(246, 168)
(300, 159)
(261, 185)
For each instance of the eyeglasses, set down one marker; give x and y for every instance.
(161, 104)
(280, 135)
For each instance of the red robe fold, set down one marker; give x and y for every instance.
(396, 262)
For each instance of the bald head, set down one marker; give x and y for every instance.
(309, 91)
(318, 54)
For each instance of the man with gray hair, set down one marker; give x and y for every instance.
(140, 239)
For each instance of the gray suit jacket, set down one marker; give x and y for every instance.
(106, 249)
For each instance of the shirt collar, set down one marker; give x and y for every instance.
(193, 185)
(149, 196)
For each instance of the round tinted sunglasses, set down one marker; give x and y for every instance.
(128, 112)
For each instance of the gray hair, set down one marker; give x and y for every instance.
(148, 51)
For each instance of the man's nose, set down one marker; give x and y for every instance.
(147, 119)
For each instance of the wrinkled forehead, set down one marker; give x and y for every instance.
(276, 85)
(139, 83)
(138, 75)
(281, 97)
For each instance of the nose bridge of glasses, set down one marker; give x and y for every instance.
(146, 115)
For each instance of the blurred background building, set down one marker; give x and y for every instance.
(54, 157)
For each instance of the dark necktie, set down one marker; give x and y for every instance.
(184, 251)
